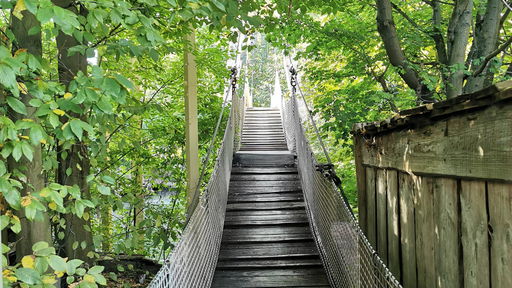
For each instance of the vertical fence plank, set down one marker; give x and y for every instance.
(407, 228)
(500, 212)
(425, 233)
(475, 246)
(393, 223)
(382, 237)
(371, 209)
(361, 183)
(447, 241)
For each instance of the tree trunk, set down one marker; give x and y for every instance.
(458, 36)
(485, 41)
(39, 229)
(77, 159)
(388, 33)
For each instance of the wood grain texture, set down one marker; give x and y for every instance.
(382, 229)
(424, 215)
(475, 245)
(371, 209)
(500, 216)
(408, 190)
(447, 241)
(461, 146)
(361, 184)
(393, 223)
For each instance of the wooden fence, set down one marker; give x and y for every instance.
(435, 191)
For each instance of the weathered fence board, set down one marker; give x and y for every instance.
(423, 208)
(361, 185)
(500, 218)
(475, 245)
(393, 223)
(382, 235)
(371, 209)
(407, 226)
(446, 210)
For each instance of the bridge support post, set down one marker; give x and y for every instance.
(191, 126)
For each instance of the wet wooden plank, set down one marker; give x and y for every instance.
(382, 229)
(393, 223)
(475, 245)
(500, 217)
(447, 242)
(407, 191)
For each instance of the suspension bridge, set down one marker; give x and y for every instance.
(273, 216)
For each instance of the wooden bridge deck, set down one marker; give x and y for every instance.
(267, 241)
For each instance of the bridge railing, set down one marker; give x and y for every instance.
(194, 258)
(435, 190)
(346, 254)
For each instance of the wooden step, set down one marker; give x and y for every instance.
(270, 233)
(265, 206)
(248, 170)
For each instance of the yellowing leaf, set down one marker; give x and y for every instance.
(25, 201)
(27, 262)
(49, 279)
(19, 51)
(43, 141)
(64, 126)
(86, 216)
(68, 95)
(58, 112)
(22, 88)
(89, 278)
(20, 7)
(25, 137)
(52, 205)
(27, 120)
(59, 273)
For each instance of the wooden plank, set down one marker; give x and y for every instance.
(500, 216)
(393, 220)
(265, 205)
(361, 183)
(266, 219)
(371, 209)
(447, 242)
(265, 250)
(475, 245)
(407, 190)
(424, 209)
(265, 177)
(240, 190)
(270, 263)
(265, 183)
(296, 280)
(382, 228)
(461, 146)
(247, 170)
(268, 197)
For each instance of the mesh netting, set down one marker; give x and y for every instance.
(348, 257)
(194, 258)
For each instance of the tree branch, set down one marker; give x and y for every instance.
(489, 57)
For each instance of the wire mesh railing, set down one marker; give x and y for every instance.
(192, 262)
(349, 259)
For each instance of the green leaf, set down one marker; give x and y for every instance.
(76, 127)
(100, 279)
(45, 252)
(17, 151)
(28, 151)
(3, 169)
(40, 246)
(72, 265)
(108, 179)
(31, 6)
(123, 81)
(219, 5)
(96, 270)
(4, 221)
(28, 276)
(16, 105)
(57, 263)
(104, 190)
(105, 106)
